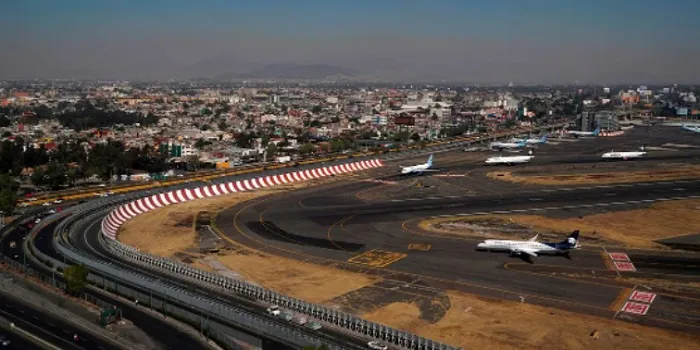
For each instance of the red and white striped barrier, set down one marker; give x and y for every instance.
(611, 133)
(119, 216)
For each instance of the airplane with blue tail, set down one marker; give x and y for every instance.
(418, 169)
(532, 248)
(575, 133)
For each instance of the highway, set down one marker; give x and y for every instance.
(51, 329)
(160, 331)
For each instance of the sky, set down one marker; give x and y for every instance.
(490, 41)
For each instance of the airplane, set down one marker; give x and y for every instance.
(575, 133)
(509, 160)
(691, 128)
(509, 145)
(532, 248)
(625, 155)
(418, 169)
(533, 141)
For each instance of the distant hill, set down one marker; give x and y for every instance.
(292, 71)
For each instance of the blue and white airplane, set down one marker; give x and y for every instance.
(691, 128)
(418, 169)
(531, 248)
(575, 133)
(497, 145)
(533, 141)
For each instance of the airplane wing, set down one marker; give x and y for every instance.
(430, 170)
(524, 251)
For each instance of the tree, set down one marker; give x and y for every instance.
(271, 150)
(76, 278)
(4, 122)
(311, 347)
(316, 109)
(222, 125)
(306, 148)
(193, 162)
(415, 137)
(8, 193)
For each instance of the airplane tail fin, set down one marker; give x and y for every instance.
(544, 138)
(596, 131)
(430, 160)
(572, 240)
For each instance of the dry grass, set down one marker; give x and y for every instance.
(169, 230)
(652, 175)
(479, 323)
(637, 228)
(302, 280)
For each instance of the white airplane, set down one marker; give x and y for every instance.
(418, 169)
(506, 145)
(575, 133)
(508, 160)
(531, 248)
(625, 155)
(533, 141)
(691, 128)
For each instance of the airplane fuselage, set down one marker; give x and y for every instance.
(538, 248)
(509, 160)
(623, 155)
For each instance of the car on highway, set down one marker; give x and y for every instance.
(51, 211)
(4, 341)
(46, 204)
(274, 310)
(377, 345)
(38, 220)
(58, 201)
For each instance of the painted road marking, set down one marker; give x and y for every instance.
(419, 246)
(619, 256)
(620, 299)
(377, 258)
(645, 297)
(625, 266)
(450, 175)
(607, 261)
(635, 308)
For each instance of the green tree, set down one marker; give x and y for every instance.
(4, 122)
(76, 278)
(222, 125)
(271, 150)
(306, 148)
(312, 347)
(316, 109)
(415, 137)
(8, 193)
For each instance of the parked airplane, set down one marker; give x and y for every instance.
(691, 128)
(531, 248)
(575, 133)
(418, 169)
(533, 141)
(506, 145)
(625, 155)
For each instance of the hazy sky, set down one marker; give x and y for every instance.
(535, 41)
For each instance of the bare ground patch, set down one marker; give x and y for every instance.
(310, 282)
(479, 323)
(651, 175)
(638, 228)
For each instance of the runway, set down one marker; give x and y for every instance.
(378, 235)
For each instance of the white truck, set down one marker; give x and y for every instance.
(274, 310)
(283, 159)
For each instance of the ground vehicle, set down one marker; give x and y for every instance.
(46, 204)
(377, 345)
(313, 325)
(3, 340)
(274, 310)
(58, 201)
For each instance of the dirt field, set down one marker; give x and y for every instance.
(679, 173)
(305, 281)
(169, 230)
(478, 323)
(637, 228)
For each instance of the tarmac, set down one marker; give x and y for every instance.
(369, 224)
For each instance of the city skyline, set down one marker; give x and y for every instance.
(543, 41)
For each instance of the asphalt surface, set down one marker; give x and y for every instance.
(160, 331)
(17, 342)
(374, 234)
(52, 329)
